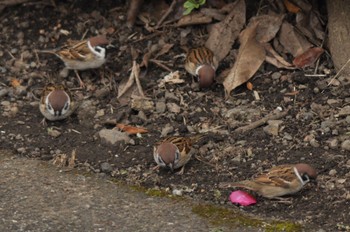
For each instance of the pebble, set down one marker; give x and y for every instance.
(346, 145)
(314, 143)
(177, 192)
(113, 136)
(273, 127)
(166, 130)
(333, 172)
(54, 133)
(142, 104)
(333, 143)
(106, 167)
(160, 107)
(3, 92)
(173, 107)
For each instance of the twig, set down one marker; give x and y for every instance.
(336, 75)
(171, 8)
(205, 162)
(271, 116)
(136, 70)
(157, 62)
(128, 84)
(315, 75)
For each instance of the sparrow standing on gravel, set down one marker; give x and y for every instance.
(81, 55)
(278, 181)
(174, 152)
(201, 62)
(56, 103)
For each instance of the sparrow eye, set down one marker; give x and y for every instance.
(49, 107)
(177, 156)
(305, 178)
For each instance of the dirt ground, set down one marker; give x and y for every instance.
(315, 130)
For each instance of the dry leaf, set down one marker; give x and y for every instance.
(172, 78)
(275, 59)
(15, 83)
(268, 27)
(251, 55)
(250, 86)
(292, 8)
(131, 130)
(195, 18)
(308, 58)
(133, 11)
(165, 49)
(292, 41)
(223, 34)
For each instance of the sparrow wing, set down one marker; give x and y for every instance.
(279, 176)
(75, 50)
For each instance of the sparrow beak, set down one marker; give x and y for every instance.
(171, 166)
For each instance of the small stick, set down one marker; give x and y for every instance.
(157, 62)
(171, 8)
(336, 75)
(272, 116)
(136, 70)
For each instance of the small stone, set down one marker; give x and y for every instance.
(173, 107)
(142, 116)
(177, 192)
(333, 172)
(273, 127)
(3, 92)
(100, 113)
(314, 143)
(54, 133)
(333, 143)
(166, 130)
(346, 145)
(113, 136)
(106, 167)
(276, 76)
(160, 107)
(142, 104)
(344, 111)
(21, 150)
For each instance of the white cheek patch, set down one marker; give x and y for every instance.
(100, 54)
(300, 178)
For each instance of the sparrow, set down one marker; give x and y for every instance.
(83, 54)
(56, 103)
(278, 181)
(202, 63)
(174, 152)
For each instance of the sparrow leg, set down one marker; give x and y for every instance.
(81, 83)
(43, 122)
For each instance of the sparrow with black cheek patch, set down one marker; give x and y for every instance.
(278, 181)
(202, 63)
(174, 152)
(82, 55)
(56, 103)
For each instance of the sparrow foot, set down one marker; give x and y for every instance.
(81, 83)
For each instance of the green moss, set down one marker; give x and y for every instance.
(222, 216)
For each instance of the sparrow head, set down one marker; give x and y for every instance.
(206, 75)
(306, 172)
(167, 155)
(57, 102)
(98, 45)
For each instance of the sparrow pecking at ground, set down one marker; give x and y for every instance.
(56, 103)
(174, 152)
(278, 181)
(82, 55)
(201, 62)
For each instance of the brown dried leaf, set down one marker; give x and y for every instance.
(15, 83)
(250, 86)
(223, 34)
(308, 58)
(291, 7)
(268, 27)
(251, 55)
(195, 18)
(131, 129)
(276, 60)
(292, 41)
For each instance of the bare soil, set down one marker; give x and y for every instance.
(314, 131)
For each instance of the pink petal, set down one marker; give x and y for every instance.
(242, 198)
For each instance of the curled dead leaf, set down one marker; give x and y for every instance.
(251, 55)
(308, 58)
(131, 129)
(250, 86)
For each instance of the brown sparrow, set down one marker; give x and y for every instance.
(278, 181)
(174, 152)
(81, 55)
(56, 103)
(201, 62)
